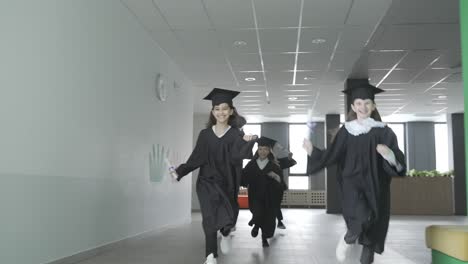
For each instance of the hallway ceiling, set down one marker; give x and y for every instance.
(298, 53)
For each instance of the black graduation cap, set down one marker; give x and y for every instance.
(284, 162)
(219, 96)
(361, 88)
(264, 141)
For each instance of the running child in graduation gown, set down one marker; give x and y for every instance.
(285, 161)
(264, 179)
(367, 154)
(219, 150)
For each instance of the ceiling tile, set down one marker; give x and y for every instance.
(309, 35)
(313, 61)
(432, 75)
(450, 58)
(245, 62)
(230, 14)
(424, 36)
(241, 76)
(277, 13)
(278, 61)
(422, 11)
(401, 76)
(354, 38)
(419, 59)
(325, 12)
(184, 14)
(229, 37)
(279, 78)
(384, 60)
(278, 40)
(367, 12)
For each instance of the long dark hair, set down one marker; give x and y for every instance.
(235, 120)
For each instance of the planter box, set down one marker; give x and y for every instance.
(243, 201)
(422, 196)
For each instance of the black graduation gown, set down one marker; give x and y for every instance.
(219, 177)
(265, 195)
(364, 178)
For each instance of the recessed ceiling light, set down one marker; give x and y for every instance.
(250, 79)
(239, 43)
(442, 97)
(291, 107)
(318, 41)
(292, 98)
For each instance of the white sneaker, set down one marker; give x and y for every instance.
(225, 244)
(210, 259)
(342, 249)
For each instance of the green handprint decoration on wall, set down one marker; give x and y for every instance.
(158, 167)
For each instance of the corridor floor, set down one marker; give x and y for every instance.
(310, 237)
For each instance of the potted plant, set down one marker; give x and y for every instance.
(423, 193)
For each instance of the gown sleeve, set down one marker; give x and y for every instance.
(320, 159)
(196, 159)
(247, 174)
(241, 149)
(396, 165)
(277, 169)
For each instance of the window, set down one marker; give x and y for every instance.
(297, 133)
(441, 147)
(298, 182)
(254, 129)
(399, 130)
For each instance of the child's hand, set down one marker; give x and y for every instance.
(275, 176)
(174, 174)
(383, 150)
(172, 170)
(249, 137)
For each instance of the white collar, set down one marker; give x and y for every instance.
(356, 128)
(262, 163)
(224, 133)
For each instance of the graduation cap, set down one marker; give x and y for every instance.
(284, 162)
(264, 141)
(361, 88)
(219, 96)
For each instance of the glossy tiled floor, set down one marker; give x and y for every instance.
(310, 237)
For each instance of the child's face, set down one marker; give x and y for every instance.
(263, 152)
(363, 108)
(222, 112)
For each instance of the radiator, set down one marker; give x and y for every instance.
(304, 198)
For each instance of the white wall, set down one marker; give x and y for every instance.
(78, 118)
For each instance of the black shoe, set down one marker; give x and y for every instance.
(367, 255)
(254, 231)
(265, 243)
(281, 225)
(251, 222)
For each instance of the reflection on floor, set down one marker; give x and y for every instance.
(310, 237)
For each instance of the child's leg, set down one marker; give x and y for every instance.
(279, 216)
(211, 244)
(367, 255)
